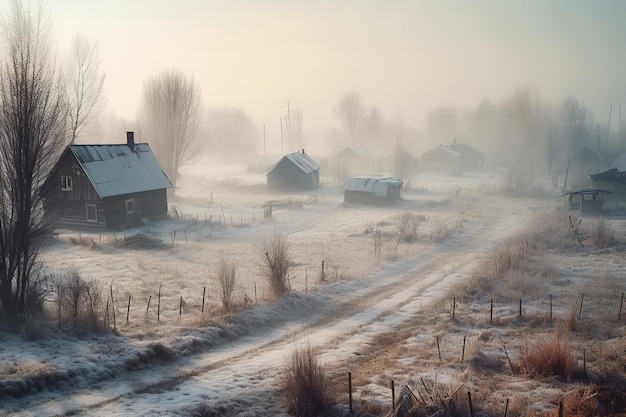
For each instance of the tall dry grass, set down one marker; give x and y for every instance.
(305, 385)
(275, 261)
(227, 278)
(552, 357)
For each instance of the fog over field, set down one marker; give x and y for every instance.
(272, 75)
(470, 286)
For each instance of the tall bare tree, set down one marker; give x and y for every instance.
(84, 85)
(350, 110)
(170, 116)
(32, 131)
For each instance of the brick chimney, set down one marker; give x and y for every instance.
(130, 141)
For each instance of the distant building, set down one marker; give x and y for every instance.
(442, 158)
(102, 187)
(372, 190)
(455, 158)
(613, 179)
(294, 172)
(472, 159)
(355, 159)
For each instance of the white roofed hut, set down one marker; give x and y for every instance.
(373, 190)
(104, 187)
(294, 172)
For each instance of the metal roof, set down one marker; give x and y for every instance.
(376, 185)
(358, 150)
(301, 160)
(116, 170)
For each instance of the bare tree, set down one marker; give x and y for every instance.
(84, 85)
(32, 131)
(170, 116)
(350, 110)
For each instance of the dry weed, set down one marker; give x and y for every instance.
(305, 385)
(548, 358)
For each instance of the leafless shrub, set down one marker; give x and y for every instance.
(600, 235)
(305, 385)
(406, 226)
(551, 357)
(227, 277)
(275, 261)
(80, 303)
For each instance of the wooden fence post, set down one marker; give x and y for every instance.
(350, 390)
(203, 296)
(393, 396)
(128, 309)
(113, 307)
(159, 304)
(453, 307)
(580, 311)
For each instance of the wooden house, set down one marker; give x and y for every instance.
(613, 179)
(294, 172)
(373, 190)
(472, 159)
(442, 158)
(103, 187)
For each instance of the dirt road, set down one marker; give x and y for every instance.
(239, 376)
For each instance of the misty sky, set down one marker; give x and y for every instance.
(404, 57)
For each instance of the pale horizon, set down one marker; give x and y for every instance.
(405, 58)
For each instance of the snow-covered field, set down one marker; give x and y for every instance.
(193, 363)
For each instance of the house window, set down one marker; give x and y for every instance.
(130, 206)
(92, 213)
(66, 183)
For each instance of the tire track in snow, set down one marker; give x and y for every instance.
(352, 313)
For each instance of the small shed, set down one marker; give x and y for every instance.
(102, 187)
(294, 172)
(372, 190)
(587, 201)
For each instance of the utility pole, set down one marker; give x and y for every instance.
(608, 128)
(288, 123)
(281, 136)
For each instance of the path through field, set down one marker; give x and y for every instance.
(240, 377)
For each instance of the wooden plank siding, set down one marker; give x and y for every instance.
(68, 207)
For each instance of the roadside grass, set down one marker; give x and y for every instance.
(572, 355)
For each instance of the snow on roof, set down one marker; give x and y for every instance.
(620, 163)
(445, 149)
(359, 150)
(116, 170)
(303, 161)
(376, 185)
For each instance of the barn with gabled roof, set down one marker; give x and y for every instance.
(104, 187)
(296, 171)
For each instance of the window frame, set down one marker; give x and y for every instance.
(130, 201)
(94, 208)
(66, 183)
